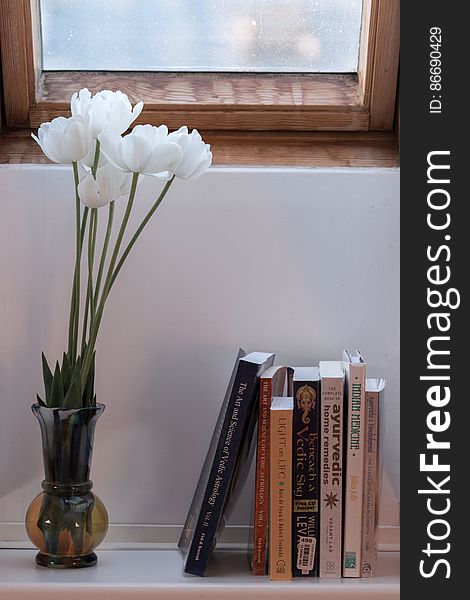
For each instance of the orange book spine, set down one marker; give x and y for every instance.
(260, 526)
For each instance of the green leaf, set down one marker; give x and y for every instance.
(41, 402)
(73, 397)
(47, 376)
(77, 377)
(66, 372)
(88, 393)
(57, 389)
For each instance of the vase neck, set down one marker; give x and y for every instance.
(67, 443)
(69, 489)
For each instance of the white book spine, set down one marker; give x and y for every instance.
(368, 552)
(331, 487)
(354, 444)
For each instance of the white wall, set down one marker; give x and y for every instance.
(300, 262)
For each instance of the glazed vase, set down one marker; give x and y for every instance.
(67, 521)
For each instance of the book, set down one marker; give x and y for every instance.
(305, 471)
(374, 399)
(275, 381)
(226, 463)
(331, 453)
(355, 376)
(280, 490)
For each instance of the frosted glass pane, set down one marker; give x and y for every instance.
(201, 35)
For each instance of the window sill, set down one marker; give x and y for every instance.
(276, 149)
(158, 574)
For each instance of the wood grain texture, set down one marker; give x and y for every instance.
(225, 119)
(223, 101)
(1, 89)
(208, 91)
(386, 60)
(279, 149)
(34, 47)
(17, 60)
(367, 46)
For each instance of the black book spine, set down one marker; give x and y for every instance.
(305, 478)
(240, 409)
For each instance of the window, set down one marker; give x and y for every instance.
(244, 70)
(254, 36)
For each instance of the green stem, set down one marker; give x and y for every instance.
(76, 317)
(89, 304)
(147, 218)
(85, 315)
(99, 312)
(89, 299)
(72, 302)
(104, 251)
(93, 246)
(96, 159)
(83, 226)
(71, 318)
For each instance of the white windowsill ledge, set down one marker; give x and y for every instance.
(158, 574)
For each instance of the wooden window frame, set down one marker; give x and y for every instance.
(221, 104)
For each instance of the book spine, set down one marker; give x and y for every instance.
(331, 486)
(354, 472)
(280, 497)
(240, 406)
(259, 560)
(368, 552)
(305, 479)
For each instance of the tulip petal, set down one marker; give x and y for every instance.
(54, 147)
(165, 157)
(98, 115)
(88, 192)
(123, 183)
(145, 131)
(77, 140)
(109, 185)
(137, 110)
(136, 152)
(79, 101)
(110, 146)
(203, 166)
(120, 117)
(59, 123)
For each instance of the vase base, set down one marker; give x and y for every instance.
(66, 562)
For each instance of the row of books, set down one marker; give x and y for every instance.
(301, 461)
(302, 526)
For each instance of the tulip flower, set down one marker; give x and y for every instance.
(197, 155)
(145, 150)
(107, 165)
(105, 110)
(110, 183)
(64, 140)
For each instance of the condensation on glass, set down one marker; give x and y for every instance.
(271, 36)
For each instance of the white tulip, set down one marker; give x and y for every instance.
(110, 183)
(145, 150)
(105, 110)
(64, 140)
(197, 155)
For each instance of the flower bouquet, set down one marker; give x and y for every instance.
(67, 521)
